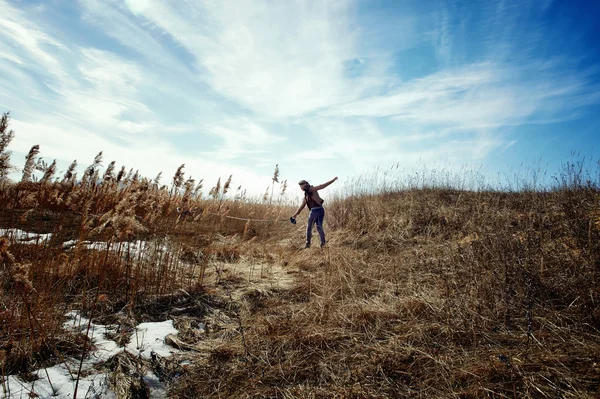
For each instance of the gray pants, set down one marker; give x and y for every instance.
(316, 216)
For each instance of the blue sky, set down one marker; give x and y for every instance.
(322, 88)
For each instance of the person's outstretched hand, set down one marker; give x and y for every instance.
(335, 178)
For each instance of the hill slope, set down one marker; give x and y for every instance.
(420, 293)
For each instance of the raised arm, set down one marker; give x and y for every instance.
(300, 209)
(322, 186)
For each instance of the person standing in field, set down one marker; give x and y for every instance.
(315, 204)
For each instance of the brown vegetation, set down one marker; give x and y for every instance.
(429, 293)
(421, 293)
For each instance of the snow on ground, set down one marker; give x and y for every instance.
(59, 382)
(24, 236)
(135, 247)
(62, 386)
(134, 250)
(150, 337)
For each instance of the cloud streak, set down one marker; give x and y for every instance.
(245, 84)
(480, 96)
(298, 62)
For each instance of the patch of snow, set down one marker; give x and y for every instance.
(150, 337)
(104, 348)
(58, 382)
(69, 244)
(133, 250)
(24, 236)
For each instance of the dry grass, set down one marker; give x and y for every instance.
(429, 293)
(118, 244)
(425, 291)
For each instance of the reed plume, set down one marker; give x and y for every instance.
(283, 188)
(121, 174)
(109, 174)
(70, 173)
(178, 179)
(156, 180)
(188, 187)
(197, 190)
(49, 172)
(6, 136)
(127, 179)
(30, 163)
(274, 179)
(240, 194)
(214, 192)
(227, 185)
(91, 172)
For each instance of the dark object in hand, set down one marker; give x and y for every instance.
(293, 220)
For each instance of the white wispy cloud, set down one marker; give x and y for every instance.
(480, 96)
(241, 137)
(279, 59)
(234, 85)
(358, 143)
(26, 40)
